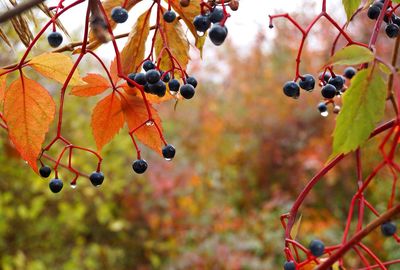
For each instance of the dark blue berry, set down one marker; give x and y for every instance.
(132, 77)
(386, 18)
(153, 76)
(146, 88)
(45, 171)
(165, 77)
(349, 72)
(216, 15)
(168, 151)
(187, 91)
(290, 265)
(325, 76)
(291, 89)
(337, 81)
(174, 85)
(192, 81)
(307, 83)
(159, 88)
(218, 34)
(119, 15)
(96, 178)
(317, 247)
(55, 185)
(139, 166)
(55, 39)
(140, 78)
(322, 107)
(392, 30)
(388, 228)
(328, 91)
(373, 12)
(202, 23)
(148, 64)
(169, 16)
(396, 20)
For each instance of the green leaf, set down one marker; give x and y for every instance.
(351, 55)
(350, 6)
(363, 108)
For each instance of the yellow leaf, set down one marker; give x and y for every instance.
(133, 52)
(56, 66)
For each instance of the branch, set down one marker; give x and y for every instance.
(18, 9)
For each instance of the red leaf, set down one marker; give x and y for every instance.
(29, 110)
(95, 84)
(107, 120)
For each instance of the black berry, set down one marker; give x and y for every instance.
(216, 15)
(169, 16)
(373, 12)
(291, 89)
(307, 83)
(328, 91)
(153, 76)
(349, 72)
(159, 88)
(317, 247)
(388, 228)
(55, 39)
(174, 85)
(165, 76)
(119, 15)
(218, 34)
(45, 171)
(192, 81)
(187, 91)
(139, 166)
(148, 64)
(96, 178)
(392, 30)
(146, 88)
(201, 23)
(396, 20)
(168, 151)
(322, 107)
(132, 77)
(337, 81)
(290, 265)
(140, 78)
(325, 76)
(55, 185)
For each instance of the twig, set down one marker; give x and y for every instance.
(19, 9)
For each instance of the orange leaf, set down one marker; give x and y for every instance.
(133, 52)
(136, 115)
(133, 91)
(95, 84)
(108, 5)
(29, 110)
(55, 66)
(107, 120)
(114, 71)
(171, 35)
(2, 86)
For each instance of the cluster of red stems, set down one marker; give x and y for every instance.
(99, 23)
(316, 255)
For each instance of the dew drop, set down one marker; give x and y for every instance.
(150, 123)
(325, 113)
(168, 159)
(173, 93)
(73, 185)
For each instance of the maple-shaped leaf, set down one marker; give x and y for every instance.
(56, 66)
(133, 52)
(108, 5)
(95, 84)
(29, 110)
(173, 38)
(136, 115)
(187, 14)
(107, 119)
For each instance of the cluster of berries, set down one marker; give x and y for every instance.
(218, 31)
(393, 22)
(332, 85)
(154, 82)
(56, 184)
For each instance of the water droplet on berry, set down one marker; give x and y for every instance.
(168, 159)
(325, 113)
(200, 34)
(73, 185)
(150, 123)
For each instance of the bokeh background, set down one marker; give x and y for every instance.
(244, 152)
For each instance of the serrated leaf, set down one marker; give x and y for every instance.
(174, 39)
(29, 110)
(95, 85)
(136, 115)
(56, 66)
(351, 55)
(133, 52)
(350, 6)
(363, 107)
(187, 14)
(107, 120)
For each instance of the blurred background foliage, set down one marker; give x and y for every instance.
(244, 153)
